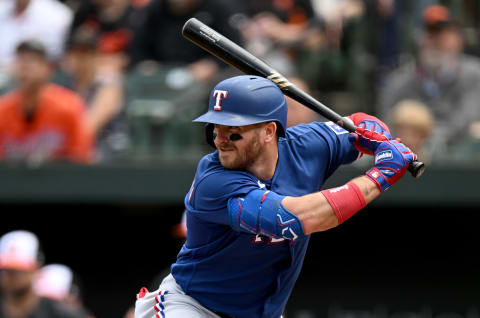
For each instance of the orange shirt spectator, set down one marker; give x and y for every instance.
(40, 121)
(56, 129)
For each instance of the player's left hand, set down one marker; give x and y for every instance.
(370, 132)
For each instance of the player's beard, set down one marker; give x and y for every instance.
(243, 159)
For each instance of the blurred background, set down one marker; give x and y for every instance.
(98, 150)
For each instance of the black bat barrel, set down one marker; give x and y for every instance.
(233, 54)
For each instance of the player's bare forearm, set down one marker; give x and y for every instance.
(369, 189)
(315, 211)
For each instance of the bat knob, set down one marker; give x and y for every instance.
(416, 168)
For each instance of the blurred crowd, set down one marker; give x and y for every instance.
(98, 81)
(31, 288)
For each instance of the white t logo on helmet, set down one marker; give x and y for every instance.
(219, 95)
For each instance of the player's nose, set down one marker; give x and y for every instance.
(220, 135)
(220, 138)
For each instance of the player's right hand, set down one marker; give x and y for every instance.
(391, 161)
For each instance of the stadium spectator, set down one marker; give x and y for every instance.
(99, 79)
(283, 22)
(43, 20)
(441, 76)
(114, 21)
(171, 49)
(413, 123)
(274, 28)
(347, 47)
(40, 121)
(306, 43)
(351, 45)
(20, 257)
(58, 282)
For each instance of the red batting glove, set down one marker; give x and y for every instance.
(370, 132)
(358, 118)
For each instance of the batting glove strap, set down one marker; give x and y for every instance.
(379, 179)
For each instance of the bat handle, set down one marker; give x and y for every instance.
(416, 168)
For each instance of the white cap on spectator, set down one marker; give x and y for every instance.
(54, 281)
(19, 250)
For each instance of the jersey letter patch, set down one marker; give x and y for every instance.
(335, 128)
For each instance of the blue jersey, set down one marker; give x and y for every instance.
(242, 274)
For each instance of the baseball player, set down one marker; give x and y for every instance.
(256, 200)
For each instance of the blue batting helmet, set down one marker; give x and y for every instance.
(245, 100)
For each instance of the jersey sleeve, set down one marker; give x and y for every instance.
(209, 194)
(328, 142)
(341, 150)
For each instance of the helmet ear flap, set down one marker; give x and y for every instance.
(209, 135)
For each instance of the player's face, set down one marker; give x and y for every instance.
(238, 153)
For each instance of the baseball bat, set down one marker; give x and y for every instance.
(231, 53)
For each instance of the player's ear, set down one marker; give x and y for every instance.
(270, 130)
